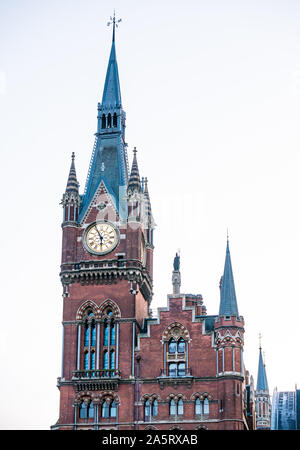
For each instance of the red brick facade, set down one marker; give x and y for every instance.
(122, 368)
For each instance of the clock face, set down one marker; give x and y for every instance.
(101, 237)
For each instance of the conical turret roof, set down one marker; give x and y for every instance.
(228, 303)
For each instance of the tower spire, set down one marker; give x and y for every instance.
(109, 162)
(71, 197)
(112, 92)
(134, 183)
(262, 382)
(72, 184)
(228, 303)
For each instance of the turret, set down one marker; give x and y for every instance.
(262, 396)
(71, 197)
(229, 343)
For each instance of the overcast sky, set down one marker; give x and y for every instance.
(211, 91)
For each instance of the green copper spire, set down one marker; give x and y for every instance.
(228, 303)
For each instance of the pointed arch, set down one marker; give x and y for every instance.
(109, 304)
(84, 307)
(176, 331)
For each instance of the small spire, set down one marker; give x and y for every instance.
(134, 183)
(72, 184)
(112, 92)
(262, 382)
(228, 303)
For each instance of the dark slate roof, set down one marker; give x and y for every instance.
(72, 184)
(228, 303)
(112, 92)
(262, 382)
(134, 183)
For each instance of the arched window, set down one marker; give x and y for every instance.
(175, 358)
(181, 346)
(109, 409)
(154, 408)
(112, 334)
(105, 409)
(109, 342)
(202, 406)
(109, 120)
(172, 346)
(91, 410)
(173, 408)
(83, 411)
(180, 407)
(113, 409)
(147, 411)
(206, 406)
(198, 406)
(87, 358)
(86, 335)
(93, 331)
(115, 120)
(103, 122)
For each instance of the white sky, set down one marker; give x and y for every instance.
(211, 90)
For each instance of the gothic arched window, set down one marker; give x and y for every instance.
(109, 120)
(86, 410)
(198, 406)
(88, 341)
(91, 410)
(83, 411)
(173, 407)
(109, 408)
(105, 409)
(180, 407)
(172, 346)
(103, 121)
(181, 346)
(154, 408)
(113, 409)
(147, 411)
(201, 406)
(115, 120)
(176, 342)
(109, 341)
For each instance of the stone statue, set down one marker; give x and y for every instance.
(176, 263)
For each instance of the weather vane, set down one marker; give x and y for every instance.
(114, 23)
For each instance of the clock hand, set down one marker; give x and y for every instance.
(100, 237)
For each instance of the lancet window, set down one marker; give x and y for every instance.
(150, 410)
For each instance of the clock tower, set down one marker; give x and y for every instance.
(106, 272)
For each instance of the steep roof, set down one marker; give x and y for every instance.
(262, 382)
(228, 303)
